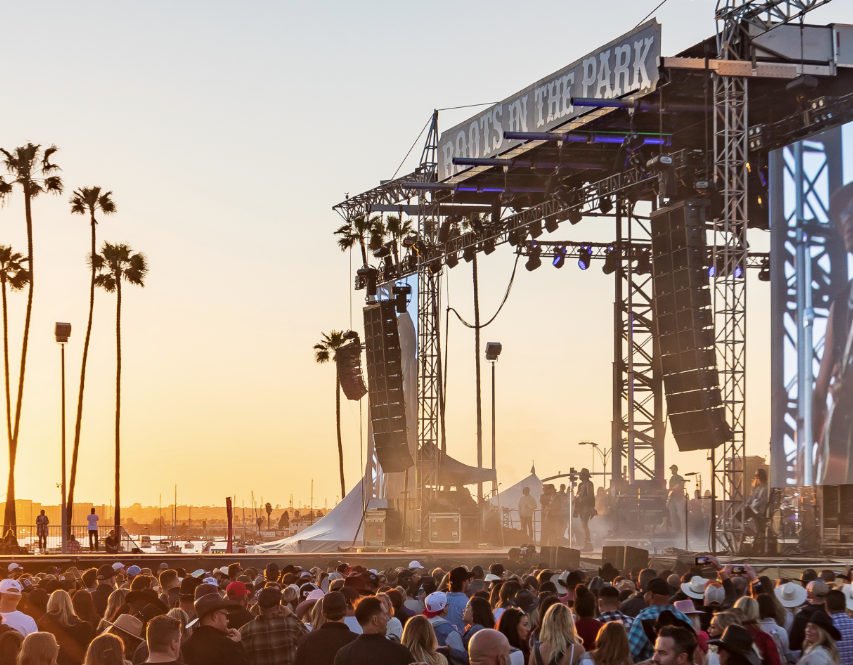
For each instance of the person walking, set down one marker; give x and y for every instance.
(41, 531)
(526, 509)
(675, 500)
(92, 527)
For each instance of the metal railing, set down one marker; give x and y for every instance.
(28, 539)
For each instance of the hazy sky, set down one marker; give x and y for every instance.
(226, 132)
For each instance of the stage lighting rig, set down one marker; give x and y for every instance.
(611, 261)
(584, 257)
(452, 260)
(551, 224)
(559, 256)
(489, 246)
(605, 205)
(469, 253)
(368, 275)
(535, 229)
(444, 230)
(644, 265)
(575, 215)
(382, 252)
(534, 260)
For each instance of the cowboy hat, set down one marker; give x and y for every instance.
(737, 640)
(791, 595)
(823, 620)
(128, 624)
(687, 607)
(211, 603)
(695, 588)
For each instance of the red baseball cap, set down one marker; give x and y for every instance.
(236, 589)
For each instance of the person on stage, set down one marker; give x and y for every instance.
(584, 507)
(675, 500)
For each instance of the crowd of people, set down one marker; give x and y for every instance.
(511, 613)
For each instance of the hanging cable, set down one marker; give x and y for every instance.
(503, 302)
(650, 13)
(467, 106)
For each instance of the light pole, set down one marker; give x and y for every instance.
(493, 350)
(61, 332)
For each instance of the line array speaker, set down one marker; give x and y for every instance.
(348, 360)
(385, 387)
(685, 326)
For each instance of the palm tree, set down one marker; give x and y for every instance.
(324, 351)
(13, 273)
(30, 167)
(268, 508)
(359, 229)
(398, 229)
(86, 200)
(114, 264)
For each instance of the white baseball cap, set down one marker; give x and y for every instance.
(415, 564)
(11, 587)
(118, 566)
(14, 566)
(435, 602)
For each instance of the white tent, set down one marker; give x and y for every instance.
(334, 530)
(510, 496)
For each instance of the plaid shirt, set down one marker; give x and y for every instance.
(641, 648)
(845, 647)
(271, 640)
(616, 615)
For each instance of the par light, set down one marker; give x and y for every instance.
(401, 293)
(534, 260)
(611, 262)
(605, 205)
(409, 241)
(559, 256)
(584, 258)
(434, 266)
(382, 252)
(489, 246)
(575, 215)
(535, 229)
(764, 273)
(369, 276)
(444, 231)
(551, 224)
(468, 254)
(738, 272)
(644, 266)
(452, 260)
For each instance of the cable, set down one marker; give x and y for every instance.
(467, 106)
(650, 13)
(412, 148)
(503, 302)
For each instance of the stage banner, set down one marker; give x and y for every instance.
(624, 66)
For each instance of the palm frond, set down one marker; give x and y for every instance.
(53, 185)
(46, 166)
(106, 281)
(5, 190)
(106, 203)
(19, 280)
(95, 262)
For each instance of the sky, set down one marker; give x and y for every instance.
(226, 132)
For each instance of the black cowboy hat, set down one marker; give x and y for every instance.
(738, 640)
(823, 620)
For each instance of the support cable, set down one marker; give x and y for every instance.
(500, 307)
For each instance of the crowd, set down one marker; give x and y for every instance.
(509, 614)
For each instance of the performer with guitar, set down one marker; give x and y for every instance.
(833, 426)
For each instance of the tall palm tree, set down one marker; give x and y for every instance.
(16, 276)
(30, 167)
(324, 351)
(362, 231)
(397, 229)
(114, 264)
(86, 200)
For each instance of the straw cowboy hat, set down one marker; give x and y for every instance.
(127, 624)
(695, 588)
(791, 594)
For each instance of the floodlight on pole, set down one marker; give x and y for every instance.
(493, 350)
(61, 332)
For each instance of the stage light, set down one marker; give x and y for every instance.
(444, 231)
(401, 293)
(584, 258)
(535, 229)
(551, 224)
(488, 246)
(369, 276)
(452, 260)
(409, 241)
(559, 256)
(513, 237)
(575, 215)
(469, 252)
(434, 266)
(605, 205)
(611, 262)
(644, 266)
(382, 252)
(764, 273)
(534, 261)
(738, 272)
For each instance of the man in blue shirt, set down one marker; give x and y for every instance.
(657, 598)
(457, 599)
(835, 606)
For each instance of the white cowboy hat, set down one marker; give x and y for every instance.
(490, 577)
(558, 582)
(695, 588)
(791, 594)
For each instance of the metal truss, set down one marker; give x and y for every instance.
(736, 17)
(388, 193)
(429, 347)
(806, 268)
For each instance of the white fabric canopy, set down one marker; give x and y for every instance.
(510, 496)
(332, 531)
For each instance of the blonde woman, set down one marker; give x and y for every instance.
(559, 643)
(106, 649)
(71, 633)
(419, 638)
(752, 622)
(114, 603)
(719, 623)
(317, 616)
(183, 617)
(819, 644)
(38, 649)
(611, 646)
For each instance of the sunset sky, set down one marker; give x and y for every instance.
(227, 131)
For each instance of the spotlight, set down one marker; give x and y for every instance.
(434, 266)
(764, 273)
(489, 246)
(534, 261)
(452, 260)
(469, 252)
(644, 266)
(535, 229)
(559, 256)
(738, 272)
(605, 205)
(382, 252)
(584, 258)
(551, 224)
(401, 293)
(409, 241)
(575, 215)
(369, 276)
(611, 262)
(514, 237)
(444, 231)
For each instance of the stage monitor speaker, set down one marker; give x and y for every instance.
(634, 557)
(385, 387)
(348, 361)
(684, 321)
(614, 555)
(561, 558)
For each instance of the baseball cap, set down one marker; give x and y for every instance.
(435, 603)
(415, 564)
(204, 590)
(269, 597)
(490, 577)
(11, 587)
(818, 588)
(659, 587)
(237, 589)
(106, 572)
(459, 574)
(316, 594)
(212, 581)
(118, 566)
(334, 603)
(164, 566)
(133, 571)
(14, 566)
